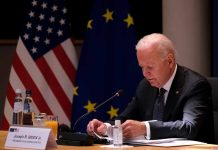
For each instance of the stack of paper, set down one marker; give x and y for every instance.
(168, 142)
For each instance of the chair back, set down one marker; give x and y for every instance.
(214, 84)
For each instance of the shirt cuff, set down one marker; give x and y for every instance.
(108, 131)
(148, 129)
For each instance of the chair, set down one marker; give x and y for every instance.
(214, 84)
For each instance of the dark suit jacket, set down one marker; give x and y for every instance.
(188, 110)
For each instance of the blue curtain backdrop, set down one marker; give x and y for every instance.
(107, 63)
(215, 38)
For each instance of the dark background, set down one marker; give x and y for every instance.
(147, 16)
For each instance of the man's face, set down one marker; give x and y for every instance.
(156, 69)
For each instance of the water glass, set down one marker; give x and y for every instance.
(39, 121)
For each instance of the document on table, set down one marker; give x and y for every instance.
(168, 142)
(177, 143)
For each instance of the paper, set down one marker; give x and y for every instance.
(102, 137)
(177, 143)
(145, 142)
(140, 140)
(168, 142)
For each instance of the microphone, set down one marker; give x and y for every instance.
(82, 139)
(117, 94)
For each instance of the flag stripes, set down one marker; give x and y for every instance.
(59, 73)
(67, 65)
(54, 85)
(11, 95)
(49, 77)
(29, 82)
(45, 62)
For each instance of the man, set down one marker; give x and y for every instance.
(183, 110)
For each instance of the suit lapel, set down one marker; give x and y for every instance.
(151, 94)
(153, 97)
(174, 93)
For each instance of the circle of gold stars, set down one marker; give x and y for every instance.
(108, 16)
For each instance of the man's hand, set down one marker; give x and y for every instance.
(132, 128)
(96, 126)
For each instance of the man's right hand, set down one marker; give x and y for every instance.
(96, 126)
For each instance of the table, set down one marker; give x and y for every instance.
(3, 135)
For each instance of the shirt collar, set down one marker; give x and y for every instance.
(168, 84)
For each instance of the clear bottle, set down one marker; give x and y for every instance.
(18, 108)
(117, 134)
(28, 113)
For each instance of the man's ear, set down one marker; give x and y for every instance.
(170, 59)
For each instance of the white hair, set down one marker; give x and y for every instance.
(163, 44)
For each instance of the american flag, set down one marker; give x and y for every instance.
(45, 62)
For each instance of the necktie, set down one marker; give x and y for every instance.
(159, 105)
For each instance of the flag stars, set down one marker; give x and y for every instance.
(113, 112)
(31, 14)
(36, 39)
(34, 3)
(41, 17)
(129, 21)
(90, 106)
(47, 41)
(64, 11)
(108, 15)
(54, 7)
(75, 91)
(34, 50)
(39, 28)
(89, 24)
(49, 30)
(60, 33)
(62, 21)
(44, 5)
(52, 19)
(26, 36)
(29, 25)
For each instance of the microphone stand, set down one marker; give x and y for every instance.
(77, 138)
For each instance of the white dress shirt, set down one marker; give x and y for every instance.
(167, 87)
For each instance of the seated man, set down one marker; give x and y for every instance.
(171, 101)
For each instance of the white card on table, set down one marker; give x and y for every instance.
(30, 137)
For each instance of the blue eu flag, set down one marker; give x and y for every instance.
(107, 63)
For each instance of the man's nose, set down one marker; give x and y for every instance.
(146, 74)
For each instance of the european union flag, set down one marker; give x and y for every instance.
(107, 63)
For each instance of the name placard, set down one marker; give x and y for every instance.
(30, 137)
